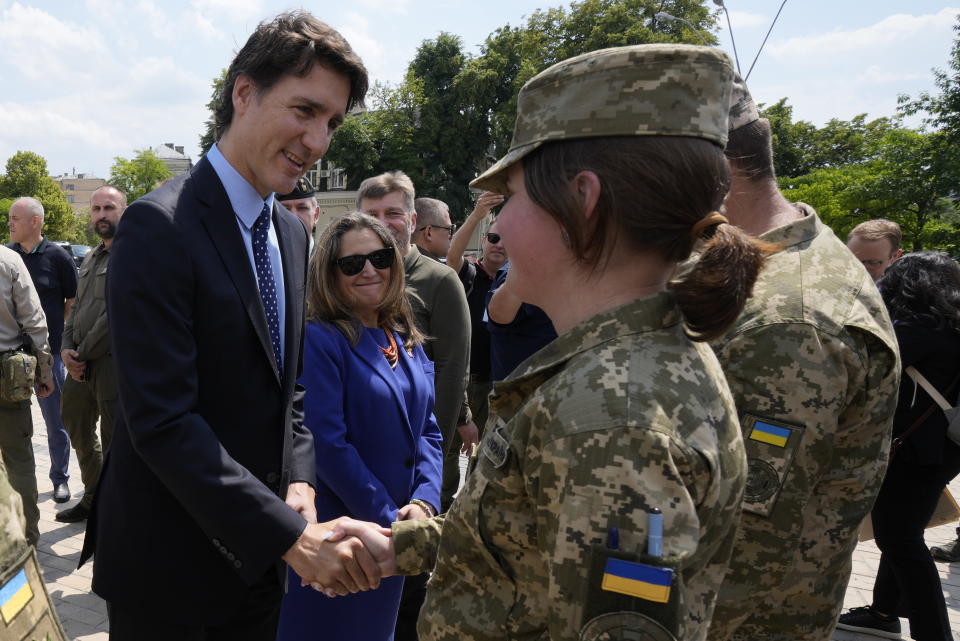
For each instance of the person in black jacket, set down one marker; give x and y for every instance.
(922, 293)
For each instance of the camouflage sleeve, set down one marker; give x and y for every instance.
(415, 544)
(816, 411)
(590, 482)
(13, 540)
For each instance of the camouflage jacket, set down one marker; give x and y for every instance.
(617, 416)
(813, 366)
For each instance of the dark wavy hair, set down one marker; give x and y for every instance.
(923, 287)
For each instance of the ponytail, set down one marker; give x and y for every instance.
(712, 295)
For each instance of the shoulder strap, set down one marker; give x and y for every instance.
(920, 379)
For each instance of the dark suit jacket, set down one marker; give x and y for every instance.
(188, 513)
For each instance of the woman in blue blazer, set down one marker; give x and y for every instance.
(369, 405)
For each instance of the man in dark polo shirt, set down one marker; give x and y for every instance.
(55, 278)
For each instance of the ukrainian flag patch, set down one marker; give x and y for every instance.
(646, 582)
(767, 433)
(14, 595)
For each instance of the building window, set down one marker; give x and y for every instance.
(339, 179)
(69, 187)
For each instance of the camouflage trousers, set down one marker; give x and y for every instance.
(16, 453)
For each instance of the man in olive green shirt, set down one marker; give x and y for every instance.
(90, 389)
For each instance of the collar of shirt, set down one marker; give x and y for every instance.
(244, 199)
(39, 249)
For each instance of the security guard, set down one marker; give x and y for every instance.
(814, 368)
(90, 389)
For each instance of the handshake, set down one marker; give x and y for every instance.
(343, 556)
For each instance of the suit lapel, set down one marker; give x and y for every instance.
(370, 353)
(220, 222)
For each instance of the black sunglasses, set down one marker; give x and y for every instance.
(353, 265)
(493, 238)
(450, 229)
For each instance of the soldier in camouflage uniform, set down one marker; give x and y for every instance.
(813, 366)
(553, 536)
(27, 613)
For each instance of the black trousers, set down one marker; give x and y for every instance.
(907, 582)
(256, 619)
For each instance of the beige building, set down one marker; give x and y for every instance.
(174, 158)
(78, 188)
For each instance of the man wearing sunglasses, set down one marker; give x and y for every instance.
(440, 308)
(434, 229)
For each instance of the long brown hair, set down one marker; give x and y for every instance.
(654, 190)
(324, 301)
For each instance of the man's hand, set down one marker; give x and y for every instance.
(44, 390)
(300, 496)
(469, 436)
(487, 201)
(75, 367)
(340, 565)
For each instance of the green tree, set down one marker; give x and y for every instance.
(26, 175)
(139, 175)
(908, 178)
(209, 135)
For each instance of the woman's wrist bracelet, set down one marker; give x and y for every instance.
(426, 507)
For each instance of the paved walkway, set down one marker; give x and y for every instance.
(84, 614)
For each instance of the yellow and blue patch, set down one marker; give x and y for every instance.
(14, 595)
(767, 433)
(646, 582)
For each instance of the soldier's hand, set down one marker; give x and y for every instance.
(340, 565)
(377, 540)
(412, 512)
(44, 390)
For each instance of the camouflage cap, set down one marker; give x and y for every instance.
(303, 189)
(743, 110)
(640, 90)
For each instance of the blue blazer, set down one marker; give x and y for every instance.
(376, 446)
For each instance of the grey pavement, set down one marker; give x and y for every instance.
(84, 614)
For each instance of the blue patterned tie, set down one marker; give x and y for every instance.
(268, 289)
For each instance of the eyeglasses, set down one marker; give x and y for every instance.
(493, 238)
(353, 264)
(450, 229)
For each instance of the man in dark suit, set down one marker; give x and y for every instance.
(207, 484)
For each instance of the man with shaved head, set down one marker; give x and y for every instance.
(55, 279)
(90, 390)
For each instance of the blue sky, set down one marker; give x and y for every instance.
(87, 80)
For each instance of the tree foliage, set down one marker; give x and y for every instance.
(209, 136)
(139, 175)
(26, 175)
(454, 112)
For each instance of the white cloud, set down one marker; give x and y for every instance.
(38, 45)
(890, 32)
(356, 30)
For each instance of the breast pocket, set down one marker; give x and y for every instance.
(100, 283)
